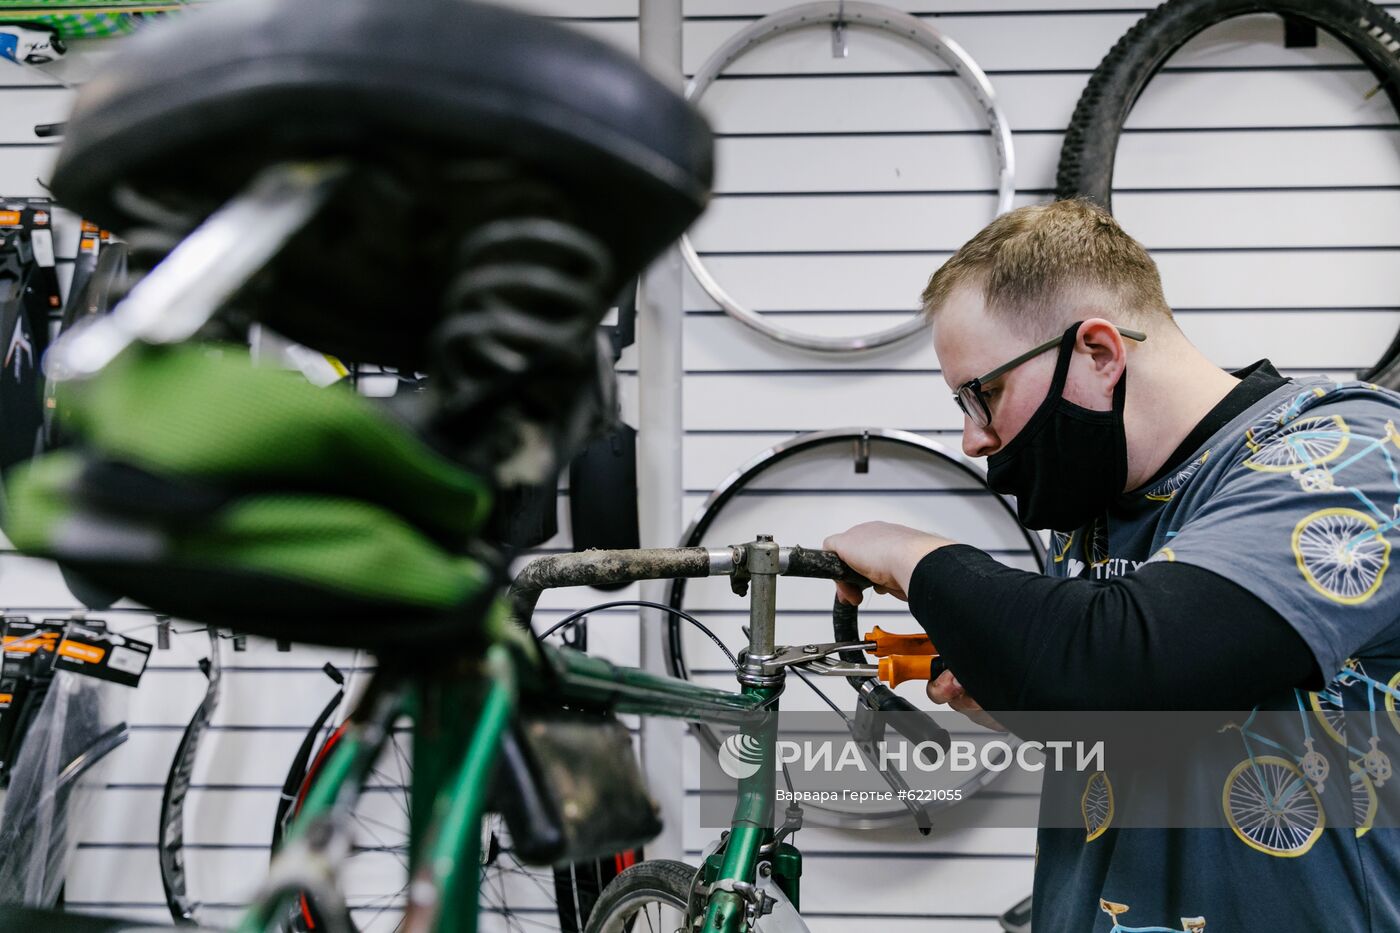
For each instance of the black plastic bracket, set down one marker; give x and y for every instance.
(1299, 34)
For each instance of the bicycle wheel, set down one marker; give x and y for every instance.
(184, 910)
(650, 896)
(1328, 707)
(1271, 807)
(897, 463)
(1096, 805)
(374, 878)
(1167, 489)
(1091, 141)
(1341, 554)
(1305, 444)
(1363, 800)
(861, 16)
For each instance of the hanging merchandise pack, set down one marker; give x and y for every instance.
(63, 700)
(29, 298)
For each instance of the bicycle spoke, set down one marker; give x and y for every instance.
(532, 875)
(385, 909)
(573, 889)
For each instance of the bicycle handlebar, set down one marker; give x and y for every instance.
(591, 568)
(606, 568)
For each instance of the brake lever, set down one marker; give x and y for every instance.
(867, 731)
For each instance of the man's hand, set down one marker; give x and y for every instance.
(946, 689)
(884, 553)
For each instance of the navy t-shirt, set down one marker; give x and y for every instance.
(1297, 500)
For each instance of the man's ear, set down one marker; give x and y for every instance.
(1107, 352)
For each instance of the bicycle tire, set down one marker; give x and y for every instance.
(571, 892)
(177, 786)
(727, 490)
(305, 918)
(301, 762)
(1087, 156)
(665, 879)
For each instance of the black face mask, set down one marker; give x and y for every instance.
(1068, 463)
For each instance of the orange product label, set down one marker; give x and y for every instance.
(9, 218)
(88, 653)
(41, 218)
(89, 227)
(88, 244)
(28, 644)
(6, 699)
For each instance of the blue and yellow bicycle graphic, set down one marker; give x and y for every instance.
(1272, 802)
(1341, 551)
(1188, 924)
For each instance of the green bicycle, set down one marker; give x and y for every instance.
(470, 220)
(751, 881)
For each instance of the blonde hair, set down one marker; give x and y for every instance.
(1031, 262)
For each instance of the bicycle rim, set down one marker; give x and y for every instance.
(514, 898)
(731, 487)
(183, 909)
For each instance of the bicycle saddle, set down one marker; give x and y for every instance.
(452, 98)
(214, 491)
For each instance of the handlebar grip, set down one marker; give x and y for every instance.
(600, 568)
(916, 725)
(844, 626)
(845, 623)
(822, 565)
(887, 643)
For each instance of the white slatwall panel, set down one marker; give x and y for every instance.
(1263, 179)
(1260, 176)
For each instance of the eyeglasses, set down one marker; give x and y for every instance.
(971, 397)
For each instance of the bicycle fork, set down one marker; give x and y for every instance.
(738, 897)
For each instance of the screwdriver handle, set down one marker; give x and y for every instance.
(891, 643)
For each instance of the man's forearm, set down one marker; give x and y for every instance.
(1170, 636)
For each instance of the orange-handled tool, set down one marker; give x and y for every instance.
(895, 669)
(890, 643)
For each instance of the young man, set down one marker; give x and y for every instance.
(1219, 540)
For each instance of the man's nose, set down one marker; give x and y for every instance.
(978, 442)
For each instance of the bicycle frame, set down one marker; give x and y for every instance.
(459, 715)
(452, 769)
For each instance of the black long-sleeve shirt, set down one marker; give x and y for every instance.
(1020, 640)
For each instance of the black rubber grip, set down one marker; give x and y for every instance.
(845, 626)
(822, 565)
(914, 724)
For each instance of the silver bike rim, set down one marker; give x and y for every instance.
(859, 15)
